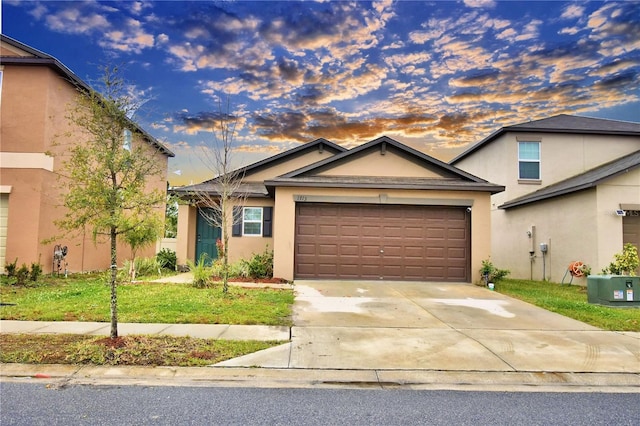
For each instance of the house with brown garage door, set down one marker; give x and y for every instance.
(380, 211)
(572, 193)
(35, 137)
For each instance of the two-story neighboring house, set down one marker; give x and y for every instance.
(572, 189)
(35, 91)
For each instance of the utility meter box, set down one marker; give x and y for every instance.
(613, 290)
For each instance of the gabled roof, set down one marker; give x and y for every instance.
(452, 177)
(42, 59)
(318, 144)
(562, 123)
(258, 189)
(589, 179)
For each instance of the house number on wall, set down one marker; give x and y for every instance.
(299, 198)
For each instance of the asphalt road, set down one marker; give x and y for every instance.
(38, 404)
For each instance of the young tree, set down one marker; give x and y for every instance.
(224, 191)
(143, 235)
(106, 172)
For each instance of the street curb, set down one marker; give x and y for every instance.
(58, 376)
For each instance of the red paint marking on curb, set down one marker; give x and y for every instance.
(42, 376)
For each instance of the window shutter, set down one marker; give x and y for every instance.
(236, 228)
(267, 221)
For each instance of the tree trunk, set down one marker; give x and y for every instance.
(114, 294)
(225, 253)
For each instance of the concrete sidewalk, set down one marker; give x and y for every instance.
(203, 331)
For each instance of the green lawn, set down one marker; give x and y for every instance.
(571, 301)
(85, 298)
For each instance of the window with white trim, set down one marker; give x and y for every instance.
(252, 221)
(529, 160)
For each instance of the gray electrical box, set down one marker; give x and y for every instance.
(613, 290)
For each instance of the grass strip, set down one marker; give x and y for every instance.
(571, 301)
(126, 350)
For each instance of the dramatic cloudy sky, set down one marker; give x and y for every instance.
(436, 75)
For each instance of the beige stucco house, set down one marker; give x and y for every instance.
(572, 183)
(35, 90)
(380, 211)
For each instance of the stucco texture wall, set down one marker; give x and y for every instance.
(582, 227)
(34, 127)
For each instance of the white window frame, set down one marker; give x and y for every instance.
(528, 160)
(245, 221)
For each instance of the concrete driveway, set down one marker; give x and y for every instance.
(436, 326)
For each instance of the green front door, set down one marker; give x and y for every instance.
(206, 237)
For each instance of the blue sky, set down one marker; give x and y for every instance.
(436, 75)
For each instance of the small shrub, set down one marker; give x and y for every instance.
(201, 272)
(36, 271)
(260, 265)
(239, 269)
(167, 259)
(22, 275)
(146, 266)
(143, 267)
(11, 268)
(624, 263)
(492, 274)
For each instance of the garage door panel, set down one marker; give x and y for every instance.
(435, 233)
(417, 242)
(328, 230)
(370, 231)
(370, 272)
(435, 253)
(434, 271)
(457, 234)
(456, 273)
(328, 249)
(308, 249)
(414, 253)
(307, 230)
(456, 253)
(349, 250)
(349, 231)
(392, 249)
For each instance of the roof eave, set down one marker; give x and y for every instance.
(519, 129)
(516, 203)
(493, 189)
(189, 194)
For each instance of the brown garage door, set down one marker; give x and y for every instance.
(392, 242)
(631, 229)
